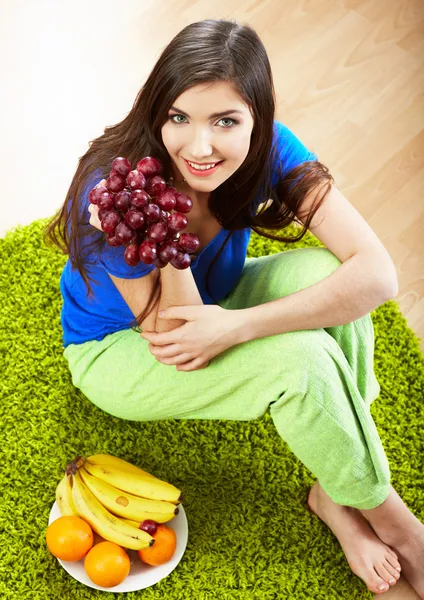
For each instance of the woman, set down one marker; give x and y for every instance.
(290, 331)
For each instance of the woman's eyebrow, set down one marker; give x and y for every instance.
(221, 114)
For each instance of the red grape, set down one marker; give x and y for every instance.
(102, 213)
(158, 262)
(95, 193)
(177, 221)
(105, 202)
(149, 166)
(149, 526)
(157, 232)
(134, 219)
(112, 240)
(167, 251)
(148, 252)
(121, 165)
(155, 185)
(152, 212)
(110, 222)
(139, 198)
(183, 203)
(188, 242)
(123, 232)
(115, 182)
(181, 261)
(166, 200)
(131, 255)
(122, 200)
(136, 180)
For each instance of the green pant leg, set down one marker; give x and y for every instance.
(319, 412)
(326, 423)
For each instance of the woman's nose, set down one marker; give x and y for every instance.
(201, 146)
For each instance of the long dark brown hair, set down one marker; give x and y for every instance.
(204, 52)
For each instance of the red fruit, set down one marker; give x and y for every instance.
(115, 182)
(121, 165)
(164, 216)
(156, 185)
(166, 200)
(132, 255)
(112, 240)
(123, 232)
(105, 201)
(158, 262)
(136, 180)
(152, 213)
(139, 198)
(189, 242)
(157, 232)
(177, 222)
(95, 193)
(134, 219)
(167, 251)
(149, 166)
(102, 213)
(183, 203)
(137, 237)
(122, 200)
(181, 261)
(149, 526)
(110, 222)
(148, 252)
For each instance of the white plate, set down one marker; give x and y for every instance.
(141, 575)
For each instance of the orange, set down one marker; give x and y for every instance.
(69, 538)
(162, 550)
(107, 564)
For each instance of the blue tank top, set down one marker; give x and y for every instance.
(85, 318)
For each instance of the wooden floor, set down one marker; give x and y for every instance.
(349, 78)
(350, 81)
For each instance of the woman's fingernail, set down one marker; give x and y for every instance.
(383, 587)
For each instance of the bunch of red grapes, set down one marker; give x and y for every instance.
(139, 210)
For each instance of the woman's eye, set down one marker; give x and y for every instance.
(233, 121)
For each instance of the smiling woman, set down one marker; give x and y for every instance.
(203, 139)
(288, 332)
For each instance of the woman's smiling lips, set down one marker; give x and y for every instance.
(203, 172)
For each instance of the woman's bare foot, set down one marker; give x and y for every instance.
(398, 527)
(368, 557)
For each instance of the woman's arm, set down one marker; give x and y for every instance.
(353, 290)
(178, 289)
(365, 279)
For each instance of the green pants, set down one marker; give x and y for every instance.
(318, 384)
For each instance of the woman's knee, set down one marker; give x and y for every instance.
(308, 266)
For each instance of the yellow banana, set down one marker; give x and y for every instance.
(64, 497)
(108, 526)
(127, 505)
(130, 522)
(145, 486)
(108, 460)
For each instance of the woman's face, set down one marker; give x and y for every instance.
(192, 134)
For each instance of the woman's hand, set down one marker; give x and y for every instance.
(209, 331)
(93, 209)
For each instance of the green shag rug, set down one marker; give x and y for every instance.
(250, 533)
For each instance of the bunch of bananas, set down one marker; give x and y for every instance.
(115, 497)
